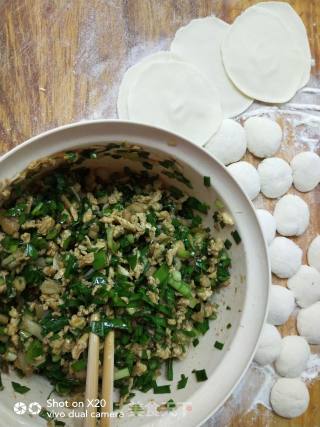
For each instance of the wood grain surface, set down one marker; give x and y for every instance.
(61, 61)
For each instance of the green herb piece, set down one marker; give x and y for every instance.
(183, 253)
(164, 309)
(152, 218)
(176, 192)
(50, 323)
(182, 382)
(196, 221)
(132, 261)
(49, 416)
(161, 389)
(1, 383)
(179, 177)
(207, 181)
(203, 327)
(63, 388)
(218, 345)
(66, 243)
(227, 244)
(223, 266)
(162, 274)
(103, 327)
(18, 388)
(167, 163)
(195, 342)
(18, 210)
(229, 325)
(10, 244)
(46, 415)
(222, 274)
(79, 365)
(32, 275)
(39, 209)
(171, 405)
(236, 236)
(182, 288)
(31, 251)
(81, 292)
(112, 245)
(71, 265)
(228, 307)
(194, 203)
(121, 373)
(169, 366)
(126, 241)
(201, 375)
(136, 409)
(100, 260)
(34, 350)
(39, 243)
(53, 233)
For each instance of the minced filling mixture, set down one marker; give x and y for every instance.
(129, 251)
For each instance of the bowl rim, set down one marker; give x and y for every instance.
(199, 416)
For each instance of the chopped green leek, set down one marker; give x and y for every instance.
(100, 260)
(201, 375)
(182, 382)
(169, 365)
(119, 374)
(18, 388)
(218, 345)
(161, 389)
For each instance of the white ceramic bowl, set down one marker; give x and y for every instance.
(247, 294)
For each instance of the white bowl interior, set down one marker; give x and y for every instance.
(247, 294)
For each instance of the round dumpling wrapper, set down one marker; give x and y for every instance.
(260, 57)
(175, 96)
(199, 43)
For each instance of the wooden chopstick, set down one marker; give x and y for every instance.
(107, 379)
(92, 379)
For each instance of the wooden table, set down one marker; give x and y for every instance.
(61, 61)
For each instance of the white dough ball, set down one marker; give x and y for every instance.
(174, 95)
(293, 357)
(276, 177)
(281, 305)
(289, 397)
(285, 257)
(229, 144)
(314, 253)
(247, 177)
(269, 345)
(305, 285)
(308, 323)
(306, 171)
(263, 136)
(292, 215)
(268, 224)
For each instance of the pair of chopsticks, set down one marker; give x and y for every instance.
(92, 380)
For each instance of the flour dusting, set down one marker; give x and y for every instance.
(301, 124)
(254, 390)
